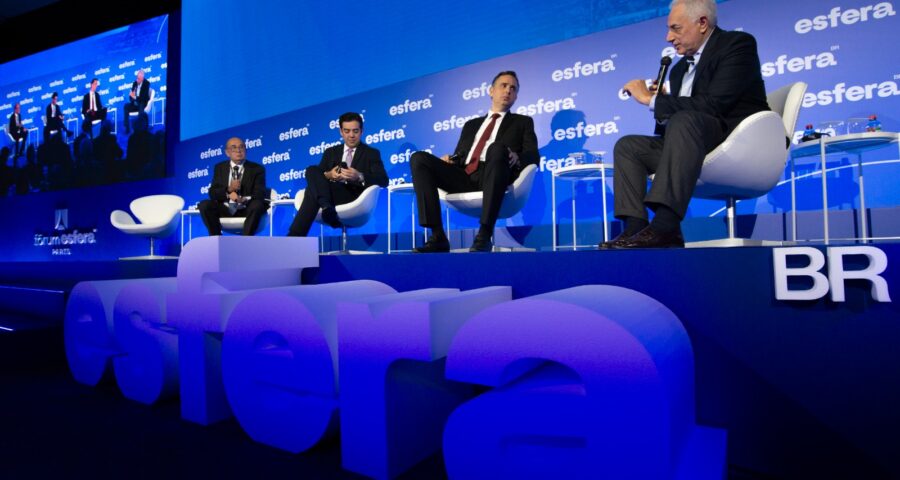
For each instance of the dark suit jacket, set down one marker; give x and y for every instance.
(14, 129)
(59, 113)
(728, 82)
(515, 132)
(144, 98)
(365, 159)
(86, 103)
(253, 183)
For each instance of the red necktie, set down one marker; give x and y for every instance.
(476, 155)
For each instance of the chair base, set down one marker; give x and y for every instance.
(149, 257)
(733, 242)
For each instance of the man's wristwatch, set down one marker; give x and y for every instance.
(362, 178)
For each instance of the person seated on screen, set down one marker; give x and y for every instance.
(55, 117)
(491, 153)
(238, 189)
(138, 98)
(17, 130)
(92, 108)
(340, 177)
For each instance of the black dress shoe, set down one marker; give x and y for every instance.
(434, 246)
(617, 242)
(650, 238)
(330, 217)
(482, 243)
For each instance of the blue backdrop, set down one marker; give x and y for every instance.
(572, 90)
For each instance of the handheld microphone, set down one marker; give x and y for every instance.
(664, 63)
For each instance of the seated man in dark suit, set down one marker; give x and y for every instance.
(138, 98)
(92, 108)
(55, 117)
(717, 84)
(341, 176)
(491, 152)
(238, 189)
(17, 130)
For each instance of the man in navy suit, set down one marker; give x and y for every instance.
(55, 117)
(238, 189)
(340, 177)
(92, 107)
(715, 86)
(491, 153)
(17, 130)
(138, 98)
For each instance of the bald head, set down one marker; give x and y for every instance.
(235, 150)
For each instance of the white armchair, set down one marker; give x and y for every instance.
(750, 161)
(353, 214)
(157, 216)
(514, 200)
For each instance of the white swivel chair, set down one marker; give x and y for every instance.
(514, 200)
(235, 225)
(158, 217)
(750, 161)
(353, 214)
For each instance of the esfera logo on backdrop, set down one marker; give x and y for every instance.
(62, 239)
(321, 147)
(452, 123)
(586, 130)
(584, 69)
(539, 107)
(410, 106)
(251, 143)
(783, 64)
(837, 17)
(385, 136)
(211, 153)
(403, 157)
(854, 93)
(292, 133)
(291, 175)
(275, 157)
(198, 173)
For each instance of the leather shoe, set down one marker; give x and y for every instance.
(482, 243)
(330, 217)
(617, 242)
(434, 246)
(650, 238)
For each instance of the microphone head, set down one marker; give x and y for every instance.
(665, 60)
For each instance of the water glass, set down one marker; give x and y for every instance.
(832, 128)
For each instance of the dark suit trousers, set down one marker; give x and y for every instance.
(320, 193)
(429, 173)
(19, 137)
(90, 117)
(211, 211)
(675, 159)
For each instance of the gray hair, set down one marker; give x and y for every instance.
(698, 8)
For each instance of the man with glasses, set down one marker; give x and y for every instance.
(238, 189)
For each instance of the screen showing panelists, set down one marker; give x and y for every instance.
(71, 105)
